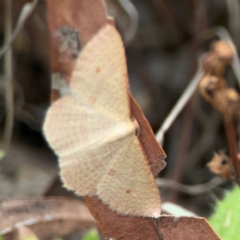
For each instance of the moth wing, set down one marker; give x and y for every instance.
(76, 125)
(72, 126)
(80, 135)
(129, 187)
(84, 170)
(100, 73)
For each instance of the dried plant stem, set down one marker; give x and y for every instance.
(8, 78)
(206, 140)
(236, 67)
(233, 7)
(7, 50)
(223, 34)
(132, 13)
(183, 148)
(191, 190)
(164, 9)
(181, 103)
(232, 144)
(25, 13)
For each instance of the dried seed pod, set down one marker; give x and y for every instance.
(223, 51)
(209, 85)
(221, 165)
(232, 103)
(216, 60)
(213, 65)
(226, 101)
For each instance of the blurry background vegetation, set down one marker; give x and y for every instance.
(162, 47)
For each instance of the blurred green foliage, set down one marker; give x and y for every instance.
(226, 218)
(92, 235)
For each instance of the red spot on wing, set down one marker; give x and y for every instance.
(92, 100)
(111, 172)
(98, 70)
(125, 75)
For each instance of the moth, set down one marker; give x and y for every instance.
(94, 137)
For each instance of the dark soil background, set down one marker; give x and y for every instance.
(162, 53)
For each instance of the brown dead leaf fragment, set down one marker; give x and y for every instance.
(186, 228)
(221, 165)
(78, 14)
(47, 217)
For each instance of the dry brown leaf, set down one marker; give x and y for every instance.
(47, 217)
(186, 228)
(221, 165)
(78, 14)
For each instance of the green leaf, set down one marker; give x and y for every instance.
(225, 220)
(92, 235)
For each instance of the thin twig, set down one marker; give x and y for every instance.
(8, 128)
(26, 11)
(233, 7)
(132, 13)
(164, 10)
(7, 50)
(185, 97)
(232, 145)
(182, 150)
(191, 190)
(223, 34)
(205, 141)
